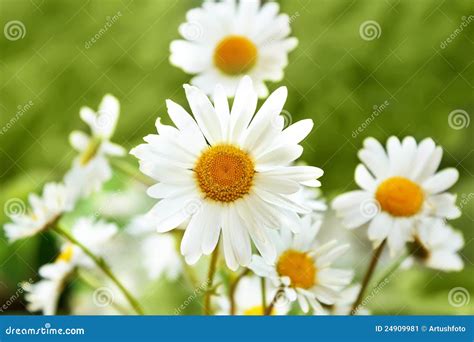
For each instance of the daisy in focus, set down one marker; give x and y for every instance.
(44, 211)
(91, 168)
(400, 187)
(226, 170)
(302, 269)
(224, 41)
(248, 299)
(44, 295)
(436, 245)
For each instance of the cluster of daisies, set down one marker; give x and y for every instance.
(228, 184)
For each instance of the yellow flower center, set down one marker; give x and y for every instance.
(66, 254)
(257, 310)
(235, 55)
(224, 173)
(299, 267)
(90, 151)
(399, 196)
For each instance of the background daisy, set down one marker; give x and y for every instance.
(225, 40)
(399, 188)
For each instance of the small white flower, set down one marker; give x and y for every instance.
(303, 268)
(400, 188)
(55, 200)
(91, 168)
(436, 245)
(224, 41)
(160, 256)
(248, 299)
(226, 170)
(343, 305)
(44, 295)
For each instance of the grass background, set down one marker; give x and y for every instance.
(333, 76)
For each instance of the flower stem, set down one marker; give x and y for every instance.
(100, 262)
(269, 309)
(368, 275)
(210, 280)
(263, 290)
(233, 287)
(129, 170)
(387, 274)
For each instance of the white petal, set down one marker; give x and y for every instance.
(243, 108)
(364, 179)
(441, 181)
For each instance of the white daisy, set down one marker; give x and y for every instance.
(91, 168)
(248, 299)
(436, 245)
(43, 212)
(224, 41)
(160, 256)
(226, 170)
(399, 188)
(303, 268)
(44, 295)
(343, 304)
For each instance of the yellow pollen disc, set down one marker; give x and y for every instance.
(224, 173)
(235, 55)
(257, 310)
(399, 196)
(66, 254)
(299, 267)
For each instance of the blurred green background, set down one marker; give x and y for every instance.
(334, 76)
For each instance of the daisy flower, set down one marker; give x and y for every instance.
(343, 304)
(400, 187)
(44, 211)
(248, 299)
(224, 41)
(159, 254)
(303, 269)
(44, 295)
(226, 170)
(91, 168)
(436, 245)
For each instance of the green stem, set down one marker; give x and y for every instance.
(129, 170)
(269, 308)
(233, 287)
(263, 290)
(368, 275)
(103, 266)
(391, 270)
(210, 280)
